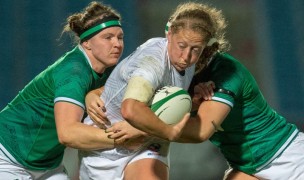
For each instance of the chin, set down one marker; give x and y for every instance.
(179, 69)
(112, 63)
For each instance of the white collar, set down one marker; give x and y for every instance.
(85, 54)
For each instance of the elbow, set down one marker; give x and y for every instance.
(196, 139)
(127, 110)
(199, 138)
(203, 135)
(64, 139)
(202, 138)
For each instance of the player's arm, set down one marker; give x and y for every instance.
(124, 132)
(135, 110)
(72, 133)
(209, 118)
(236, 174)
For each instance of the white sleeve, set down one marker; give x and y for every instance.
(139, 89)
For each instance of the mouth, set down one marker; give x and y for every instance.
(182, 65)
(116, 54)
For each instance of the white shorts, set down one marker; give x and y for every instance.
(10, 170)
(110, 164)
(289, 165)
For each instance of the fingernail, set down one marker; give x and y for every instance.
(103, 109)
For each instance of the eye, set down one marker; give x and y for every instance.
(108, 37)
(120, 37)
(182, 46)
(196, 50)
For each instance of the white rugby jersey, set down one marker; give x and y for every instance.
(150, 61)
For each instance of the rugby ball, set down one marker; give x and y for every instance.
(171, 103)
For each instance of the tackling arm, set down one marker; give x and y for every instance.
(208, 120)
(72, 133)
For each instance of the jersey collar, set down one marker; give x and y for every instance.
(85, 55)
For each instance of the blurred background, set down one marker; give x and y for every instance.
(266, 36)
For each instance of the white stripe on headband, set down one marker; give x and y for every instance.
(167, 27)
(211, 41)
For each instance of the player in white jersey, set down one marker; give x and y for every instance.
(156, 63)
(155, 68)
(150, 61)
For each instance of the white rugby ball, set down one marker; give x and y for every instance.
(171, 103)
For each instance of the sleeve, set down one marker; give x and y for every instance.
(139, 89)
(72, 82)
(147, 67)
(229, 82)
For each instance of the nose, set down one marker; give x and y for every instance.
(117, 42)
(186, 55)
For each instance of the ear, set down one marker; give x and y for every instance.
(169, 36)
(86, 45)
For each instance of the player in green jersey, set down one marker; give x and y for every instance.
(45, 117)
(257, 142)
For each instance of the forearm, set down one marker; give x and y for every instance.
(72, 133)
(151, 124)
(85, 137)
(141, 117)
(193, 132)
(208, 120)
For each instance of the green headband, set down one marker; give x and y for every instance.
(99, 27)
(167, 27)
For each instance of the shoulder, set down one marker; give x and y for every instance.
(155, 41)
(154, 46)
(71, 69)
(152, 51)
(225, 67)
(72, 62)
(224, 61)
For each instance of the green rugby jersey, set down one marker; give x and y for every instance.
(253, 132)
(27, 123)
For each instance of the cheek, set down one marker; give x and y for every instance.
(176, 52)
(194, 60)
(100, 53)
(174, 57)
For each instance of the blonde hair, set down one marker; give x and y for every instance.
(203, 19)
